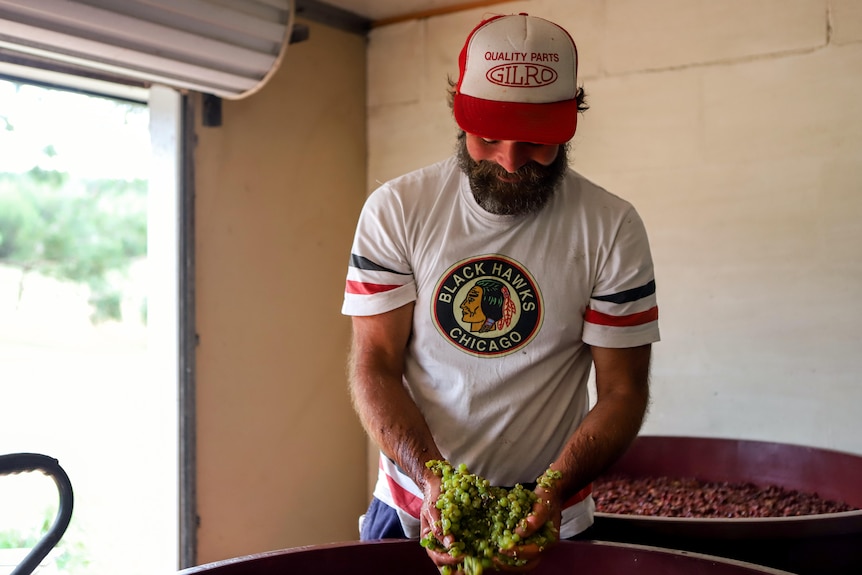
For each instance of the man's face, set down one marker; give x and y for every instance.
(511, 178)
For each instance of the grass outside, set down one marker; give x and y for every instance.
(82, 394)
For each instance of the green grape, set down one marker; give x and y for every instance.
(483, 518)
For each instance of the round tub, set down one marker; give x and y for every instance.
(408, 558)
(807, 545)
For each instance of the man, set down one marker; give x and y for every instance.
(568, 268)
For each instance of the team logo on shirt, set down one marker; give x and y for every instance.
(488, 306)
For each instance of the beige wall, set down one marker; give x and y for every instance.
(281, 456)
(736, 129)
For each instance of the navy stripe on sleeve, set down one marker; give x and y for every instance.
(629, 295)
(362, 263)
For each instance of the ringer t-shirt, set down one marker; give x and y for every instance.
(506, 309)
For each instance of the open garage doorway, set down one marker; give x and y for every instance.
(90, 266)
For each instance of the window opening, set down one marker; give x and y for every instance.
(82, 380)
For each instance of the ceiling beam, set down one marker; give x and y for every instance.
(437, 12)
(332, 16)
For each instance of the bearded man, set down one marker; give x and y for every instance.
(575, 265)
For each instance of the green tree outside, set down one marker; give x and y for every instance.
(73, 207)
(87, 232)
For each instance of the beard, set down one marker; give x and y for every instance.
(535, 183)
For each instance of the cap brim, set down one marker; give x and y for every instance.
(551, 123)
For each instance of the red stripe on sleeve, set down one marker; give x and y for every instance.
(364, 288)
(634, 319)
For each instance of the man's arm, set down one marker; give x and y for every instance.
(389, 414)
(622, 386)
(386, 410)
(622, 398)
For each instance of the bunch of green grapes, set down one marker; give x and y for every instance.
(483, 518)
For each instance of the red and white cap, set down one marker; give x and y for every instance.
(518, 81)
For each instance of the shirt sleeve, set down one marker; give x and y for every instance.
(623, 310)
(379, 276)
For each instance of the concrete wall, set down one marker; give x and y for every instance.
(735, 127)
(281, 455)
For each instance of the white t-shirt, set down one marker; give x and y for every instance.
(506, 308)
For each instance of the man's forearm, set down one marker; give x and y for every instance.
(391, 419)
(397, 426)
(597, 443)
(613, 423)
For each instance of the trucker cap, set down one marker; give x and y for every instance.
(518, 81)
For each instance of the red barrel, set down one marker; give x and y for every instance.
(807, 545)
(409, 558)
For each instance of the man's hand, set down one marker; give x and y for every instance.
(495, 522)
(548, 507)
(431, 526)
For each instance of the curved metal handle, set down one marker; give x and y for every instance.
(27, 462)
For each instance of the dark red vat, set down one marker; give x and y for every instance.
(408, 558)
(807, 545)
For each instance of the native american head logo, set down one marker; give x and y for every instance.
(487, 306)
